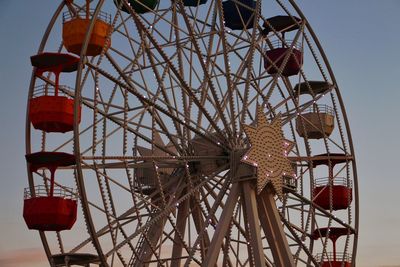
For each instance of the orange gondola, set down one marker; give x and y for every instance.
(75, 27)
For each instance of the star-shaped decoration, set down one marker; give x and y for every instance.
(268, 152)
(149, 171)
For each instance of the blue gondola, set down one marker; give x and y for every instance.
(194, 2)
(239, 14)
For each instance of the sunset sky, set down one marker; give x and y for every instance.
(362, 41)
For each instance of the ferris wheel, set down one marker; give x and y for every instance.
(188, 133)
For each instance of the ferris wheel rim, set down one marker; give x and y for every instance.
(347, 126)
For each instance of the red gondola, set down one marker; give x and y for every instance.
(49, 213)
(49, 111)
(284, 57)
(335, 191)
(340, 193)
(333, 259)
(49, 208)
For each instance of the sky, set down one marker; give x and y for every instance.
(361, 39)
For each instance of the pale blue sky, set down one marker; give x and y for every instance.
(361, 40)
